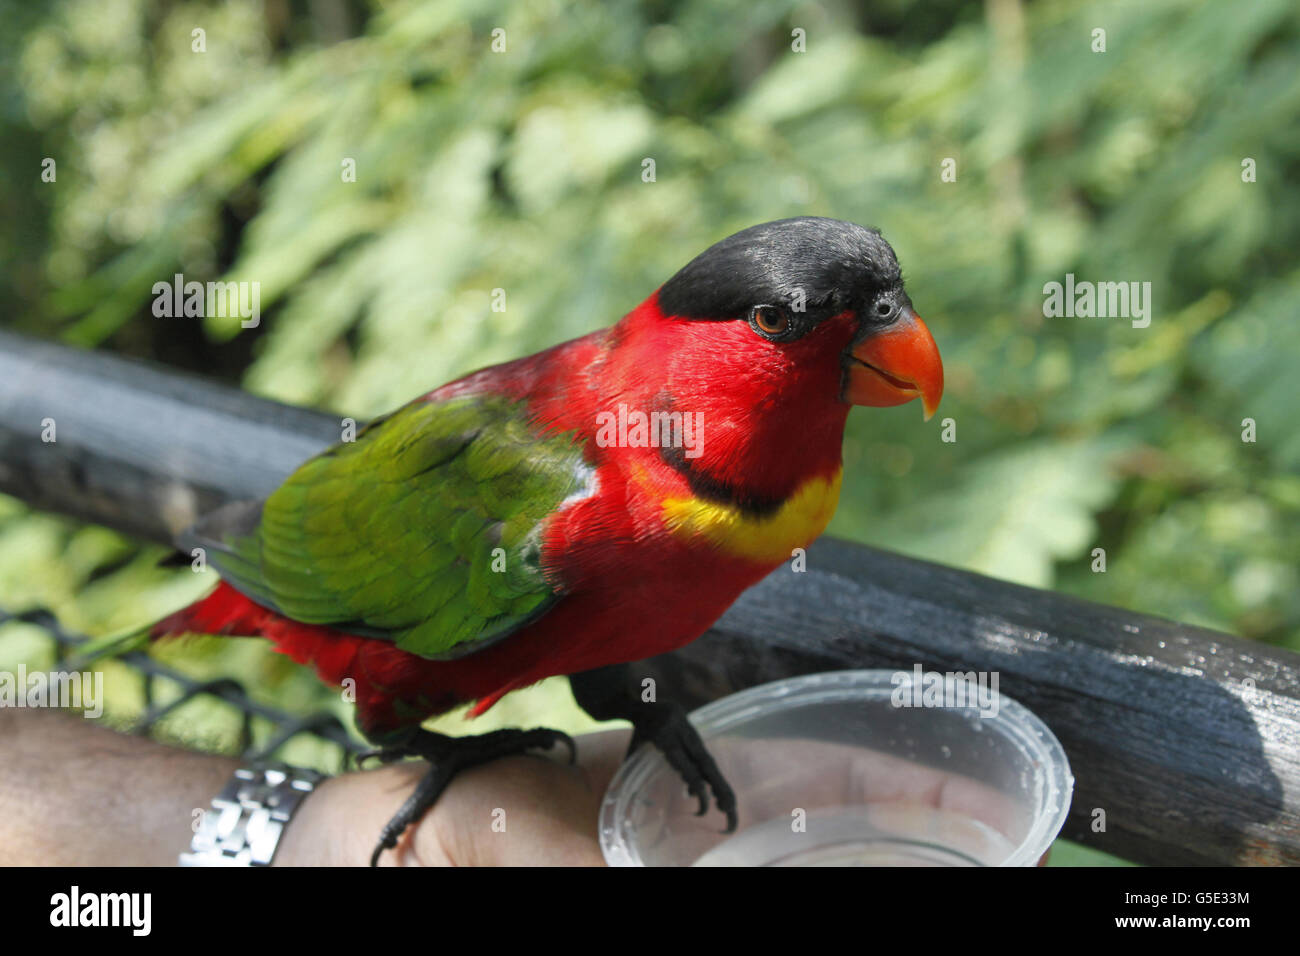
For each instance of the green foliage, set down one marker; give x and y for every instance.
(523, 171)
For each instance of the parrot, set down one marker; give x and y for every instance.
(576, 510)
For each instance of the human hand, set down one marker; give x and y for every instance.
(532, 810)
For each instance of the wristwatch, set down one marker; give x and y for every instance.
(243, 826)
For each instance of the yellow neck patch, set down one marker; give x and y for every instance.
(768, 539)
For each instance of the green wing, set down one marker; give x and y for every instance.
(424, 531)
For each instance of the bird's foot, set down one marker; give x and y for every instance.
(668, 728)
(447, 757)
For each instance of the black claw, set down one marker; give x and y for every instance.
(681, 746)
(695, 788)
(732, 819)
(608, 693)
(448, 756)
(386, 842)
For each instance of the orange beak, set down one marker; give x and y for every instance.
(894, 366)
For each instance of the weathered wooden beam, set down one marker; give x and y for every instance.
(1187, 739)
(136, 447)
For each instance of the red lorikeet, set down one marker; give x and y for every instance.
(597, 503)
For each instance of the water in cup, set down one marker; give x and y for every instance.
(887, 834)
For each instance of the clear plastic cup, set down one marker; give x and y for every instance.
(852, 768)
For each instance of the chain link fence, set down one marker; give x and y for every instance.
(284, 726)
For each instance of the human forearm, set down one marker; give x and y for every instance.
(72, 793)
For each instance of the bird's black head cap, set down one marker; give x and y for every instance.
(824, 265)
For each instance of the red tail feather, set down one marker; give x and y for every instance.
(392, 687)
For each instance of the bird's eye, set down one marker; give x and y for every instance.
(884, 308)
(769, 320)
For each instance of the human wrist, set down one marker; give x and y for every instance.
(244, 824)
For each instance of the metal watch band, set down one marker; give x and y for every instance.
(243, 826)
